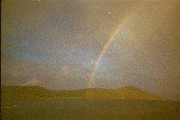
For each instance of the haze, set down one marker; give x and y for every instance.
(102, 44)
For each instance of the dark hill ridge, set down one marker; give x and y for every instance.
(128, 92)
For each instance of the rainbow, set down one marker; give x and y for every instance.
(134, 11)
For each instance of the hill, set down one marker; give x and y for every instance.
(128, 92)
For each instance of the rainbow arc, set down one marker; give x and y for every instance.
(131, 14)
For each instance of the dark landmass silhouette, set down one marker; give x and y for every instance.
(128, 92)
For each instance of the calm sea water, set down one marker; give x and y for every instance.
(88, 109)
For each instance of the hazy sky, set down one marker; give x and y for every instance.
(68, 44)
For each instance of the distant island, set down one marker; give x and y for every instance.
(128, 92)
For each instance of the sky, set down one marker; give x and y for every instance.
(66, 44)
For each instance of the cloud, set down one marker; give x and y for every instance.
(33, 82)
(66, 71)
